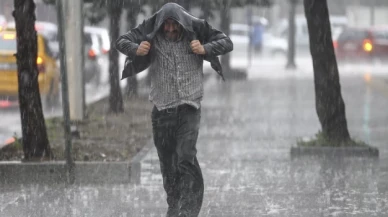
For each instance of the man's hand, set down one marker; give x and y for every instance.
(143, 48)
(197, 47)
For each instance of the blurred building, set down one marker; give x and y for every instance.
(365, 13)
(43, 12)
(358, 12)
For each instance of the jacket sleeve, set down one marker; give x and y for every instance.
(129, 42)
(217, 43)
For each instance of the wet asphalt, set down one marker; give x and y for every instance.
(247, 130)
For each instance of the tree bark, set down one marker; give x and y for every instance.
(329, 103)
(132, 83)
(115, 95)
(34, 135)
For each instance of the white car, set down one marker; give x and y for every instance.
(277, 44)
(3, 22)
(102, 41)
(239, 34)
(103, 37)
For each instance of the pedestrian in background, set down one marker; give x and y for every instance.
(257, 37)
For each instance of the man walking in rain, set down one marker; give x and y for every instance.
(174, 44)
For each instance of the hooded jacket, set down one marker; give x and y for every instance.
(214, 41)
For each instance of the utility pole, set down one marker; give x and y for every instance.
(65, 93)
(75, 58)
(249, 18)
(372, 12)
(291, 35)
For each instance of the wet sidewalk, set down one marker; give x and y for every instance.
(247, 130)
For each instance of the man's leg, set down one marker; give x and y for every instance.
(191, 182)
(164, 125)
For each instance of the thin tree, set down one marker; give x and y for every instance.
(329, 103)
(34, 135)
(134, 8)
(95, 14)
(115, 97)
(224, 7)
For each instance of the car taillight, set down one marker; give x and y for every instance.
(41, 66)
(367, 45)
(4, 103)
(335, 44)
(92, 54)
(105, 51)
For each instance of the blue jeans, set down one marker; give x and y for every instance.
(175, 133)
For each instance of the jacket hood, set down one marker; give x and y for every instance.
(173, 11)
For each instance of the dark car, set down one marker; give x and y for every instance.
(367, 45)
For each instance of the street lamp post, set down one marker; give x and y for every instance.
(291, 35)
(249, 17)
(372, 12)
(65, 93)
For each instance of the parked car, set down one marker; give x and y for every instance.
(103, 37)
(3, 22)
(49, 31)
(91, 62)
(369, 45)
(103, 41)
(48, 77)
(92, 71)
(239, 34)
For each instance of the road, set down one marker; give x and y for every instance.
(260, 68)
(247, 129)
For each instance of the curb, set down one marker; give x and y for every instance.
(17, 172)
(135, 166)
(366, 152)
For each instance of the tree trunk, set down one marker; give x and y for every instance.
(225, 27)
(34, 135)
(291, 35)
(115, 96)
(132, 84)
(329, 103)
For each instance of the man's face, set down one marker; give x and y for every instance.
(172, 29)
